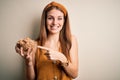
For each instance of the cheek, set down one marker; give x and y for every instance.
(62, 23)
(48, 22)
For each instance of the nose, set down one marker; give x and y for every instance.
(55, 21)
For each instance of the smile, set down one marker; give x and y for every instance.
(54, 27)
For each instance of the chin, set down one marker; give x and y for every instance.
(54, 32)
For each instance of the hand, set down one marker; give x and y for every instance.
(54, 55)
(27, 55)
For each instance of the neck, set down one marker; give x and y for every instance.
(53, 38)
(53, 42)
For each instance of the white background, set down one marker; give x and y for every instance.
(95, 23)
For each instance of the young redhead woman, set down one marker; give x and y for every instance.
(55, 57)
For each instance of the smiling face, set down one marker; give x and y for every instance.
(54, 21)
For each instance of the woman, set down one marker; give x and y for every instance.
(56, 57)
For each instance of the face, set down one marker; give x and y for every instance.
(54, 21)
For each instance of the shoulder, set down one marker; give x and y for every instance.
(73, 38)
(74, 41)
(74, 48)
(38, 42)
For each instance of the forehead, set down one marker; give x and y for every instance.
(55, 12)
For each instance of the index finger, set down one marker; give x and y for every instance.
(45, 48)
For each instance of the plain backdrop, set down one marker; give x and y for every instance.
(95, 23)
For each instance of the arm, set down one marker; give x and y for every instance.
(72, 68)
(29, 61)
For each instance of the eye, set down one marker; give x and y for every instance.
(50, 18)
(60, 18)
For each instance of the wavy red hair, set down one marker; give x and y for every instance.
(65, 33)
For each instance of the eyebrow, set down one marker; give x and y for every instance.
(52, 16)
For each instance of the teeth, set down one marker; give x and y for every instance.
(54, 27)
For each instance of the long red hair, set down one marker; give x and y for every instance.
(65, 33)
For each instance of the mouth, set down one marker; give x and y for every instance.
(54, 27)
